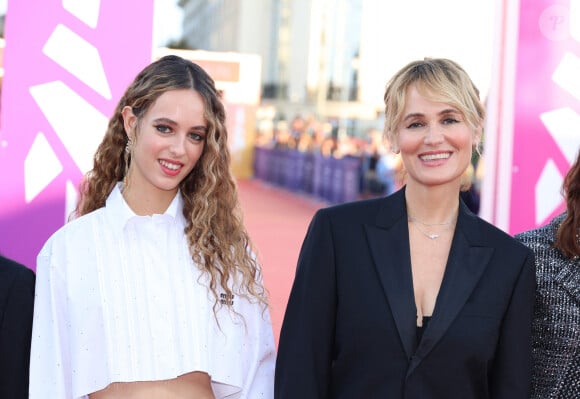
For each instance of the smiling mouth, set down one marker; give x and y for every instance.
(434, 157)
(168, 165)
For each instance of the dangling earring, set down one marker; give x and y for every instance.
(128, 146)
(476, 148)
(127, 156)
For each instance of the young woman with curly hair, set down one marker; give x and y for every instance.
(152, 291)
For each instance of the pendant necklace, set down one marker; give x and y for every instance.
(431, 236)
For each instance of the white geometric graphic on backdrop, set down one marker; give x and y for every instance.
(41, 166)
(71, 198)
(78, 57)
(564, 126)
(567, 74)
(85, 10)
(77, 123)
(80, 128)
(548, 196)
(575, 19)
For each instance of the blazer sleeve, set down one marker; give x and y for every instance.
(305, 349)
(511, 374)
(15, 332)
(50, 369)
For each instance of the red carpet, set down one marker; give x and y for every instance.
(277, 221)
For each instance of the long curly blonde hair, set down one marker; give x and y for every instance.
(218, 241)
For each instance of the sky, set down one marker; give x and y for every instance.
(166, 22)
(462, 30)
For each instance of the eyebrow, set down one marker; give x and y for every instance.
(173, 123)
(443, 112)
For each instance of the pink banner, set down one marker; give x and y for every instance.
(547, 107)
(533, 130)
(66, 65)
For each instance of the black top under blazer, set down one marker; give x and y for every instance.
(350, 331)
(16, 309)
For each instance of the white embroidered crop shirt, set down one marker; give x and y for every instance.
(118, 298)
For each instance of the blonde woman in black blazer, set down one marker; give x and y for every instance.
(412, 295)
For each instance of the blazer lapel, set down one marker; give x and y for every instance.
(390, 251)
(466, 263)
(569, 278)
(569, 274)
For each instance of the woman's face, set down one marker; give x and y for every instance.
(435, 141)
(170, 141)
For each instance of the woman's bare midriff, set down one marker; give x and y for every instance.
(195, 385)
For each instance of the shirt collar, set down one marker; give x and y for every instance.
(121, 213)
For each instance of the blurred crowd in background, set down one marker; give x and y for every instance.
(379, 170)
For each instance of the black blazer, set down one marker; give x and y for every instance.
(16, 310)
(350, 325)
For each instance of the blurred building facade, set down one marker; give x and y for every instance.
(310, 51)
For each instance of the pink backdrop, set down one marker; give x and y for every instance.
(546, 131)
(66, 65)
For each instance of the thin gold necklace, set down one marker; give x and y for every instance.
(431, 236)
